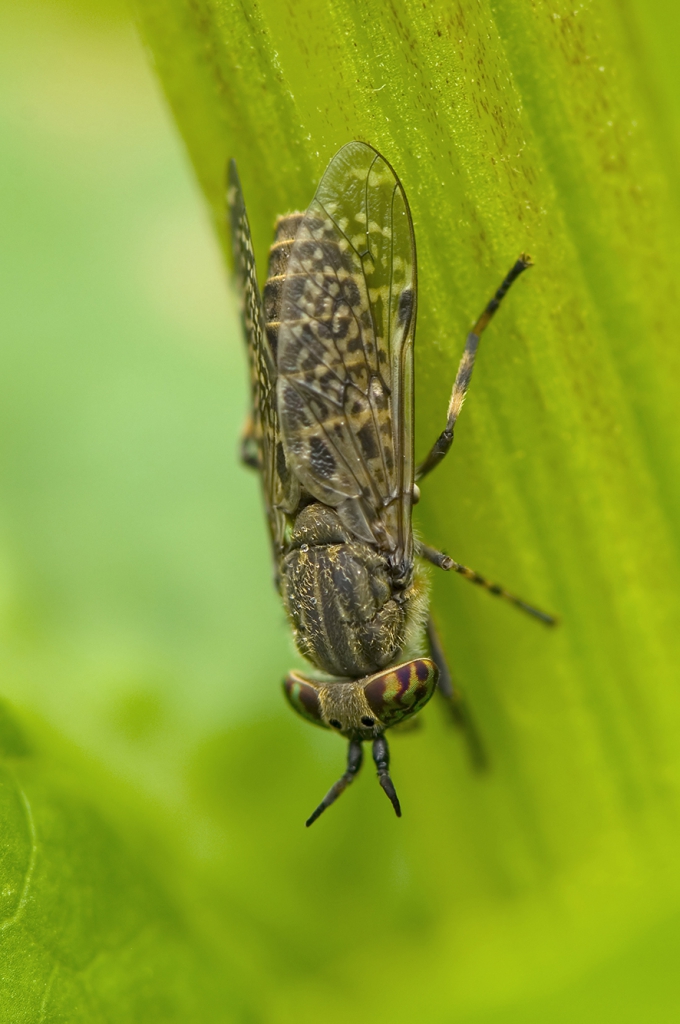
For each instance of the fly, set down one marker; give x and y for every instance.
(330, 431)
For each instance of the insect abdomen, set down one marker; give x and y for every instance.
(284, 236)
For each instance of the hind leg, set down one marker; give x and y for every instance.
(443, 443)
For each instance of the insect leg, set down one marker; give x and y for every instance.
(249, 448)
(441, 446)
(443, 561)
(381, 756)
(460, 713)
(355, 756)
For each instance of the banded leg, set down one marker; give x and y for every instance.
(443, 561)
(249, 449)
(460, 713)
(443, 443)
(355, 756)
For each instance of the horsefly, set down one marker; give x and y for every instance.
(330, 431)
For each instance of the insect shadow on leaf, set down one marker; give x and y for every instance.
(331, 433)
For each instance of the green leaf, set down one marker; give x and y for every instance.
(137, 616)
(513, 128)
(87, 932)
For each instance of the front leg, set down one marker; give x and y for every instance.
(460, 713)
(443, 443)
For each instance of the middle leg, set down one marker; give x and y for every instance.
(446, 563)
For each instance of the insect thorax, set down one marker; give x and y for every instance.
(347, 616)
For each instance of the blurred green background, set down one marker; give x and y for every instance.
(142, 643)
(134, 563)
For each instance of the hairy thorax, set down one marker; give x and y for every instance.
(346, 615)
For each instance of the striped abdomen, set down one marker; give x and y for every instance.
(284, 236)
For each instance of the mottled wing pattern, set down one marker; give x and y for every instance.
(345, 350)
(262, 432)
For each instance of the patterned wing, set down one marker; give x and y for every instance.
(345, 350)
(262, 444)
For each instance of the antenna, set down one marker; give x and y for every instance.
(381, 756)
(355, 756)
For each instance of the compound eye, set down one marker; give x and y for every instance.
(303, 697)
(399, 692)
